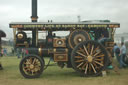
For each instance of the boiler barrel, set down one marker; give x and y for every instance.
(47, 51)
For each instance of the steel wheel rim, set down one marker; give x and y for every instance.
(89, 59)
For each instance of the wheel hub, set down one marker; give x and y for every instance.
(31, 66)
(89, 58)
(79, 39)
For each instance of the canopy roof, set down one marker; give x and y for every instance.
(63, 25)
(2, 33)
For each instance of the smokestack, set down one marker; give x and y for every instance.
(34, 16)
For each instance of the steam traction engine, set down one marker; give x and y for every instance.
(80, 49)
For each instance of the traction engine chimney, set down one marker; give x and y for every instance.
(34, 18)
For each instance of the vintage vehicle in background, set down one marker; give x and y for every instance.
(81, 49)
(2, 34)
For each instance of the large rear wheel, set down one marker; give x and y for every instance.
(31, 66)
(89, 58)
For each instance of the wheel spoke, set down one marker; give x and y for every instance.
(26, 67)
(97, 53)
(25, 70)
(95, 64)
(89, 66)
(100, 55)
(25, 63)
(93, 68)
(95, 50)
(99, 63)
(81, 54)
(32, 72)
(38, 68)
(92, 50)
(88, 47)
(86, 69)
(30, 60)
(82, 50)
(34, 61)
(79, 61)
(86, 50)
(78, 57)
(99, 59)
(84, 65)
(79, 65)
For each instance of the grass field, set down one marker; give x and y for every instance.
(56, 76)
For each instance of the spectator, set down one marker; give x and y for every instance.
(18, 52)
(1, 54)
(5, 51)
(12, 51)
(122, 55)
(24, 52)
(102, 39)
(116, 50)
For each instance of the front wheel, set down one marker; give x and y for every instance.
(89, 58)
(31, 66)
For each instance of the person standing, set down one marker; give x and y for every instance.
(1, 54)
(24, 52)
(116, 50)
(5, 51)
(2, 34)
(122, 55)
(102, 39)
(18, 52)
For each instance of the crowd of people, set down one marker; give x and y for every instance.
(3, 52)
(120, 53)
(21, 52)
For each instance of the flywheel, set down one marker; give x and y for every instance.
(77, 36)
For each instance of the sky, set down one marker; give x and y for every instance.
(64, 11)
